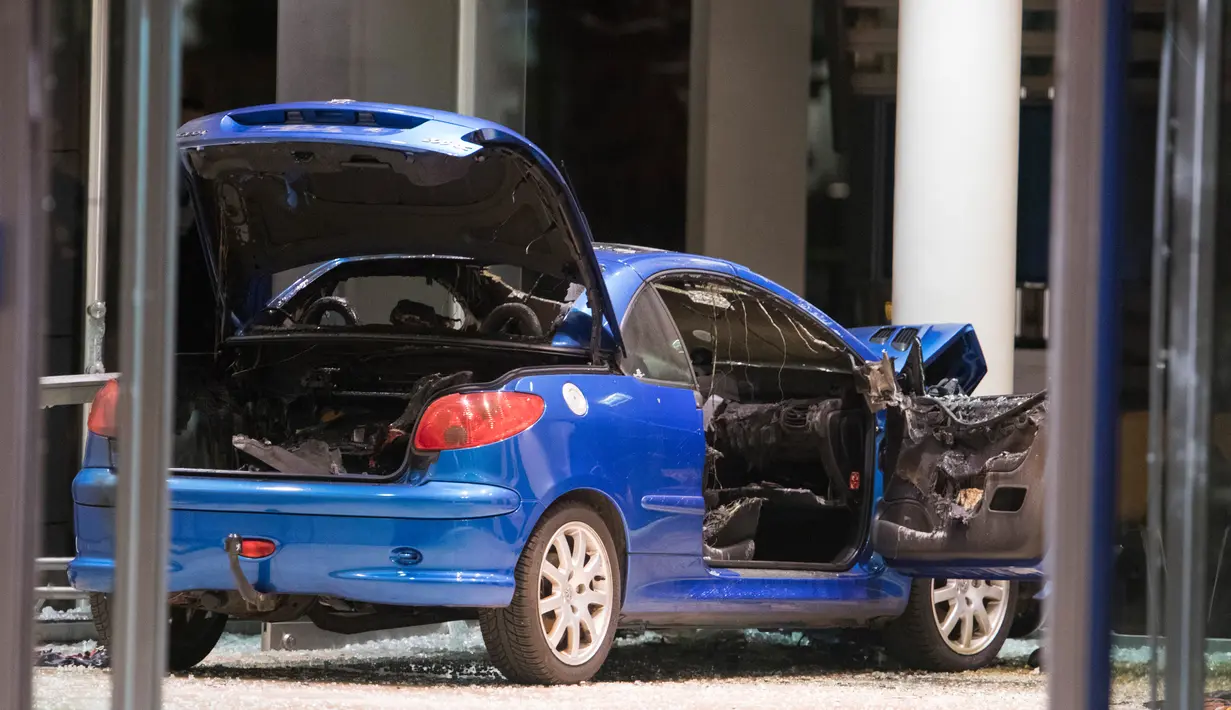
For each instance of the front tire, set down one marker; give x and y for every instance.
(952, 625)
(191, 633)
(561, 623)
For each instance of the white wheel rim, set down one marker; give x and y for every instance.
(575, 593)
(969, 613)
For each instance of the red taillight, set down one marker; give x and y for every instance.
(103, 415)
(256, 549)
(459, 421)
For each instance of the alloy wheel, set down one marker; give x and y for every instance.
(969, 612)
(575, 593)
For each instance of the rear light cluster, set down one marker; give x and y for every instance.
(455, 421)
(104, 417)
(255, 548)
(464, 420)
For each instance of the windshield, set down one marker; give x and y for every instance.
(427, 296)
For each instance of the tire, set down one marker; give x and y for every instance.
(190, 638)
(517, 636)
(916, 640)
(1029, 611)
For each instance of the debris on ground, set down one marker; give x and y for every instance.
(93, 658)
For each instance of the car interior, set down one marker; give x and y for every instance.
(790, 440)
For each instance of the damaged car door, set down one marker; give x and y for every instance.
(963, 475)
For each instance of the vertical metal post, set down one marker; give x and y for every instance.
(1158, 354)
(96, 199)
(24, 201)
(1083, 353)
(147, 348)
(95, 262)
(467, 56)
(1198, 40)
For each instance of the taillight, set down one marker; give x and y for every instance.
(463, 420)
(255, 549)
(103, 412)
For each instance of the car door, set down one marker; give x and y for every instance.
(963, 479)
(666, 492)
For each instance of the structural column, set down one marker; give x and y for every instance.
(467, 56)
(748, 134)
(955, 181)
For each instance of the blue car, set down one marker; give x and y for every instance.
(459, 406)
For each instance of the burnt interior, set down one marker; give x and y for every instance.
(336, 390)
(789, 436)
(958, 457)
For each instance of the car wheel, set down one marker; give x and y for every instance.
(566, 604)
(1028, 617)
(952, 624)
(191, 633)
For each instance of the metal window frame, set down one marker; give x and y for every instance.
(1197, 33)
(24, 199)
(1083, 355)
(149, 251)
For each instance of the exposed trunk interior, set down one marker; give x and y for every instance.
(336, 407)
(329, 379)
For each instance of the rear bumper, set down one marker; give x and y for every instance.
(333, 539)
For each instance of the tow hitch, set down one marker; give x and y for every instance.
(257, 601)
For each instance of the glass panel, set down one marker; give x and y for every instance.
(655, 350)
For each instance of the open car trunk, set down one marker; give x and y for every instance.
(331, 409)
(395, 223)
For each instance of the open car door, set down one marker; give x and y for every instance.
(963, 489)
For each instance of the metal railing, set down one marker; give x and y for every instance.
(46, 593)
(59, 391)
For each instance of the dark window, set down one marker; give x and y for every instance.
(731, 323)
(655, 350)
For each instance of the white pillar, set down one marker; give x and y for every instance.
(955, 190)
(467, 56)
(748, 134)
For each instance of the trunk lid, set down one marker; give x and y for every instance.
(283, 186)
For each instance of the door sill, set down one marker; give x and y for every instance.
(843, 566)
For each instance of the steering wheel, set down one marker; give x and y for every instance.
(504, 315)
(334, 304)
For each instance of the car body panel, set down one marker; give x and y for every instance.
(950, 350)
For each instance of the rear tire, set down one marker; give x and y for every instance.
(191, 633)
(917, 640)
(561, 623)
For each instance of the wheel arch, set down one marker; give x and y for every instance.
(613, 517)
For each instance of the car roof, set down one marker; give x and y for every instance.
(625, 267)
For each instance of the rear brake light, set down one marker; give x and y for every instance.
(103, 419)
(255, 549)
(463, 420)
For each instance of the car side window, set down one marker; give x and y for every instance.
(730, 322)
(654, 348)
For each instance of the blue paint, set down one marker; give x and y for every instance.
(452, 535)
(1105, 481)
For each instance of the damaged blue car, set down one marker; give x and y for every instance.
(458, 405)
